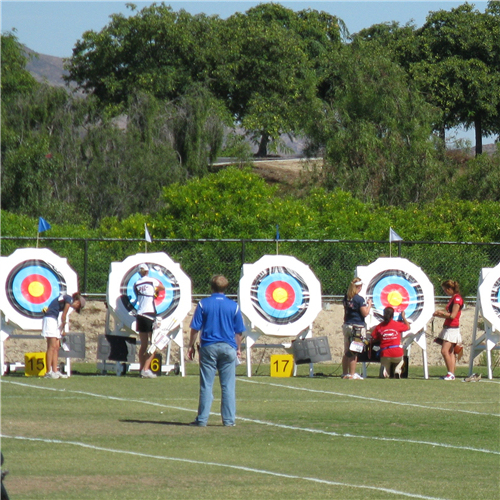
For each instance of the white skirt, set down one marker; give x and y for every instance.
(451, 335)
(50, 327)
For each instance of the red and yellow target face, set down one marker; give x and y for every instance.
(281, 296)
(32, 285)
(396, 289)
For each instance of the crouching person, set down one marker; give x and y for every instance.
(388, 333)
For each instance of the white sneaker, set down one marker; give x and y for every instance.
(147, 374)
(62, 375)
(357, 376)
(450, 376)
(52, 375)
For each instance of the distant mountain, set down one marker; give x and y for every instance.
(46, 69)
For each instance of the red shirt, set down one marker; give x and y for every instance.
(455, 322)
(389, 335)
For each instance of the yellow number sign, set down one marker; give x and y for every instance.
(156, 364)
(35, 364)
(281, 365)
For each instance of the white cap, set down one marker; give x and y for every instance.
(143, 267)
(359, 282)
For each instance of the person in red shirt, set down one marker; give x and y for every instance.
(388, 333)
(450, 334)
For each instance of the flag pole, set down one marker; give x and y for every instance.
(277, 238)
(37, 238)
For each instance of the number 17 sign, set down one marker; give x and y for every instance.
(281, 365)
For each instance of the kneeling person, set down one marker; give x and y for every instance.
(388, 333)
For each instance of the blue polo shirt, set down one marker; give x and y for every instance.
(219, 319)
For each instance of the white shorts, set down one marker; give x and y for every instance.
(451, 335)
(50, 327)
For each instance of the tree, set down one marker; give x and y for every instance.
(270, 67)
(16, 79)
(459, 67)
(374, 130)
(157, 51)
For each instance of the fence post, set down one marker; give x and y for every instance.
(242, 252)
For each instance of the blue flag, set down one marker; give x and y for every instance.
(393, 236)
(43, 225)
(277, 231)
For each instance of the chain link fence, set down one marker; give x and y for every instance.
(333, 261)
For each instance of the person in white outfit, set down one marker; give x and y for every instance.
(146, 289)
(54, 322)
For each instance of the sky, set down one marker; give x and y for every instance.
(53, 28)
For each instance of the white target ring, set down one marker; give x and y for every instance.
(30, 278)
(279, 295)
(397, 283)
(172, 304)
(489, 296)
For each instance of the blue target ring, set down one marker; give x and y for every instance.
(167, 301)
(263, 299)
(32, 286)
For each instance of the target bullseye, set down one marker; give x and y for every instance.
(279, 295)
(396, 292)
(36, 289)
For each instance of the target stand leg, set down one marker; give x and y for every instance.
(250, 341)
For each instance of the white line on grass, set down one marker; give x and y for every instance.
(228, 466)
(367, 398)
(270, 424)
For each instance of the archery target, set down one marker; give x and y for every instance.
(279, 295)
(30, 279)
(173, 303)
(489, 297)
(400, 284)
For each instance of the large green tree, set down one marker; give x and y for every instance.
(459, 67)
(455, 59)
(272, 63)
(157, 51)
(374, 130)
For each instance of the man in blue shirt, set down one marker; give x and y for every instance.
(221, 324)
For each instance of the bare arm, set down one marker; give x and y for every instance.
(445, 314)
(63, 318)
(192, 339)
(405, 321)
(238, 338)
(365, 310)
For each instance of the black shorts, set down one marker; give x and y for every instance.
(144, 324)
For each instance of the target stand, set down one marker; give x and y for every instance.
(398, 283)
(172, 305)
(279, 296)
(488, 305)
(30, 278)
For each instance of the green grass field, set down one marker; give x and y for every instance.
(125, 438)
